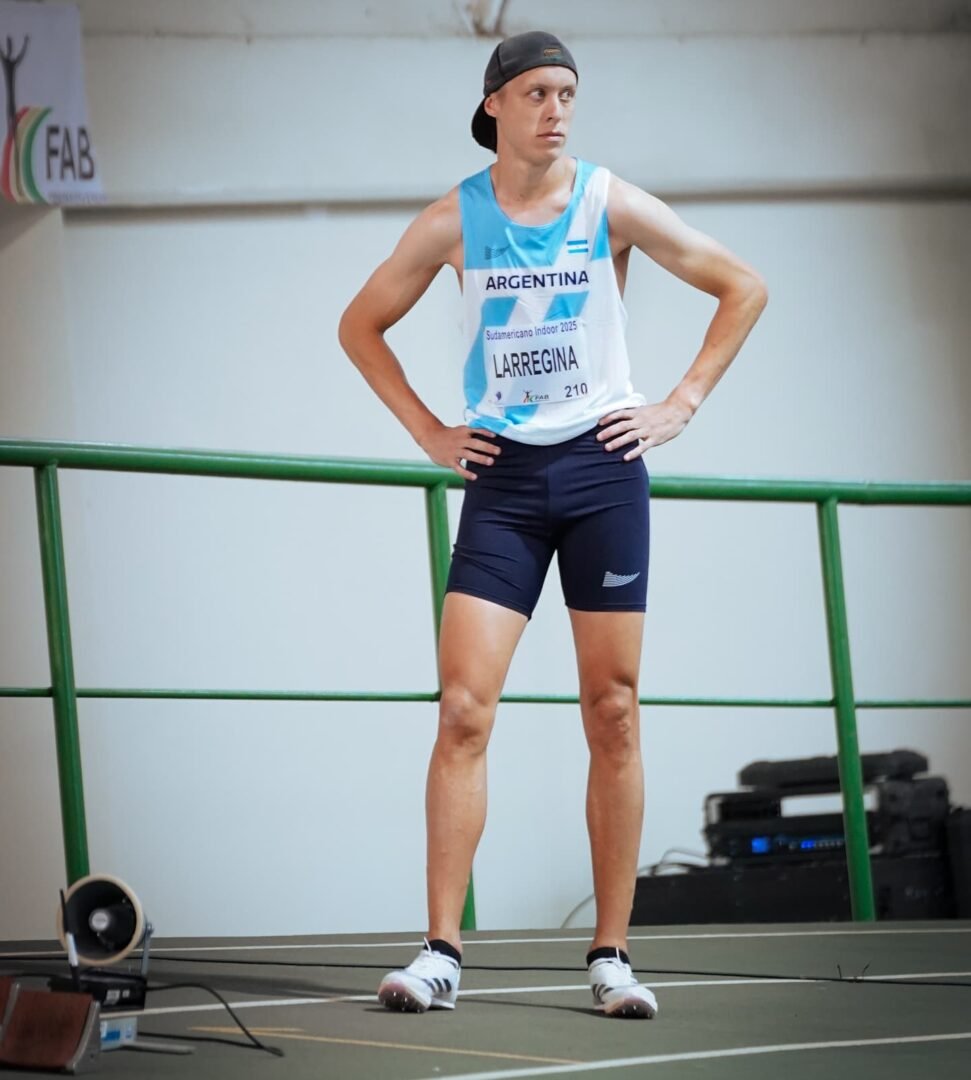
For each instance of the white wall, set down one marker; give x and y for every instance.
(257, 180)
(202, 120)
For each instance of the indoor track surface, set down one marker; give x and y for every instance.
(796, 1001)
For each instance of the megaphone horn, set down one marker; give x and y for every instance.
(105, 917)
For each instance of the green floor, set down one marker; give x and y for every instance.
(524, 1009)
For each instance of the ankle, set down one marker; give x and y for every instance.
(607, 952)
(445, 947)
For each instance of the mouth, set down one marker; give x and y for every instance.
(552, 136)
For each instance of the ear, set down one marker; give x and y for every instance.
(490, 104)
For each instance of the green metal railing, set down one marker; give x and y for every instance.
(46, 458)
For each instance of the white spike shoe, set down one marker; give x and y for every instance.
(617, 993)
(430, 981)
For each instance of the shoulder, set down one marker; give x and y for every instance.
(637, 217)
(626, 200)
(442, 219)
(434, 233)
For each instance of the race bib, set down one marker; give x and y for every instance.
(543, 362)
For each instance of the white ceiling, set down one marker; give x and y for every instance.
(580, 18)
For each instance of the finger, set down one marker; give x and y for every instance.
(463, 472)
(611, 432)
(483, 447)
(479, 431)
(622, 440)
(622, 414)
(633, 455)
(481, 459)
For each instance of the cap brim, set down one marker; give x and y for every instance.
(484, 128)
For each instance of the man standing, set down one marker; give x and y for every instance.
(551, 452)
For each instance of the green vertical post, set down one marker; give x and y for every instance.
(850, 770)
(62, 673)
(436, 510)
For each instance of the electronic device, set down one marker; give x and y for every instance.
(822, 772)
(904, 887)
(909, 815)
(766, 865)
(100, 923)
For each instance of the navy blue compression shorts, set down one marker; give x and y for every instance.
(575, 498)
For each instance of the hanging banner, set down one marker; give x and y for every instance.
(47, 152)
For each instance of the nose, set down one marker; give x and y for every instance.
(555, 107)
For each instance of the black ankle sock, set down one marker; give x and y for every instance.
(438, 945)
(605, 954)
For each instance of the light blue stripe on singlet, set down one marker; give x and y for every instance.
(567, 305)
(520, 413)
(493, 241)
(496, 311)
(601, 246)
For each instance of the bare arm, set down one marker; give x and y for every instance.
(432, 239)
(640, 220)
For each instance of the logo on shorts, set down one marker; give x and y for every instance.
(612, 581)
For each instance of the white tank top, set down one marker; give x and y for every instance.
(544, 319)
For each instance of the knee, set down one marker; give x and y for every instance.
(464, 721)
(611, 717)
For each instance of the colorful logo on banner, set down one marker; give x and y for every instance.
(17, 177)
(47, 154)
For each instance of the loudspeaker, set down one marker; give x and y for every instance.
(105, 917)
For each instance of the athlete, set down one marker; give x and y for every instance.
(551, 450)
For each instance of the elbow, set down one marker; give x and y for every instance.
(751, 294)
(356, 330)
(349, 334)
(746, 291)
(345, 330)
(759, 292)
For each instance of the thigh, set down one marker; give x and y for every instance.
(604, 542)
(608, 645)
(476, 644)
(504, 544)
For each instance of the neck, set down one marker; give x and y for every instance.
(520, 182)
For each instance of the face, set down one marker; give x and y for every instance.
(533, 112)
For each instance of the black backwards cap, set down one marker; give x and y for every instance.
(511, 58)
